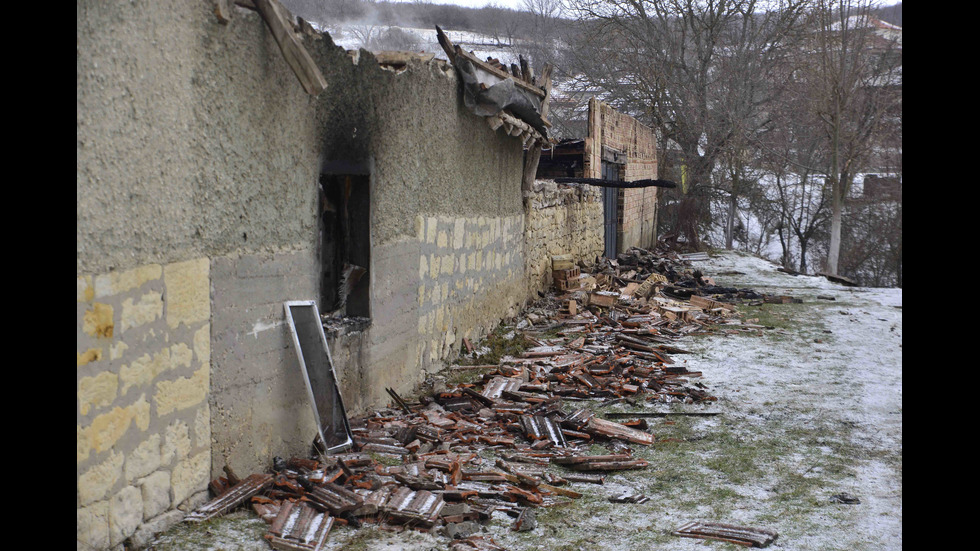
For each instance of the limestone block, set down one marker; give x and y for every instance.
(182, 393)
(202, 426)
(202, 344)
(195, 501)
(149, 529)
(97, 391)
(147, 310)
(143, 370)
(459, 233)
(108, 428)
(92, 526)
(89, 356)
(176, 443)
(431, 225)
(155, 491)
(83, 444)
(84, 292)
(433, 266)
(144, 459)
(188, 292)
(115, 283)
(190, 476)
(97, 322)
(125, 514)
(94, 483)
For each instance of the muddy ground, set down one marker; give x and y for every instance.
(811, 407)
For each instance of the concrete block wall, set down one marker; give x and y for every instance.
(143, 419)
(257, 395)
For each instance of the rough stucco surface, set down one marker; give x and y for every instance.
(195, 140)
(196, 146)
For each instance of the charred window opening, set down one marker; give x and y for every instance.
(346, 245)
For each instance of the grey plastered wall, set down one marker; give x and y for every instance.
(428, 157)
(195, 141)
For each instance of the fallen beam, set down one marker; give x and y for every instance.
(617, 183)
(741, 535)
(298, 59)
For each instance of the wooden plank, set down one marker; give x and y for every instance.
(708, 303)
(616, 430)
(533, 157)
(299, 60)
(222, 10)
(742, 535)
(447, 45)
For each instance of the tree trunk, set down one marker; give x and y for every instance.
(730, 222)
(802, 269)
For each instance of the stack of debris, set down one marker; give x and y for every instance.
(661, 283)
(509, 442)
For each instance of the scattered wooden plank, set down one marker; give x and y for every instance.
(709, 304)
(616, 430)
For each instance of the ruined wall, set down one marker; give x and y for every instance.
(198, 160)
(562, 219)
(446, 221)
(637, 207)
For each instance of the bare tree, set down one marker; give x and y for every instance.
(694, 69)
(850, 71)
(543, 25)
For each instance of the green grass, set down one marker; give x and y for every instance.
(225, 532)
(499, 347)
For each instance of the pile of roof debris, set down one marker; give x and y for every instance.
(514, 440)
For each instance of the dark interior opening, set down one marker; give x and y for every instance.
(345, 206)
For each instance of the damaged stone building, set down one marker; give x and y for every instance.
(211, 188)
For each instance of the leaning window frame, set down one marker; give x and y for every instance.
(306, 376)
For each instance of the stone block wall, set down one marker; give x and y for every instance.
(143, 419)
(561, 220)
(471, 273)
